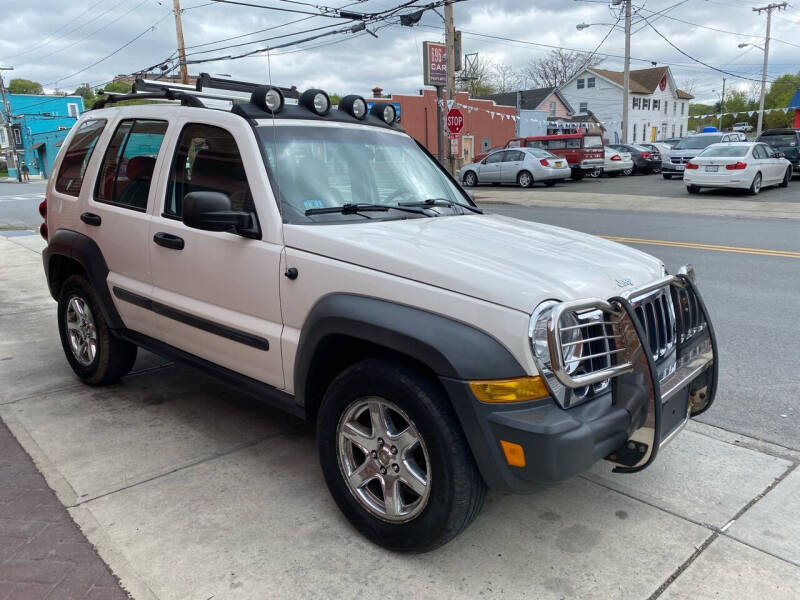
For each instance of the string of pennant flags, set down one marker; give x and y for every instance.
(448, 104)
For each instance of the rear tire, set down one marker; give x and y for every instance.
(525, 179)
(420, 427)
(693, 189)
(627, 172)
(787, 177)
(577, 174)
(755, 187)
(550, 182)
(96, 355)
(595, 173)
(665, 176)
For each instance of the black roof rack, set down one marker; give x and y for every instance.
(163, 94)
(207, 81)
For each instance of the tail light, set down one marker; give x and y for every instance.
(544, 162)
(43, 211)
(736, 166)
(646, 155)
(691, 165)
(615, 157)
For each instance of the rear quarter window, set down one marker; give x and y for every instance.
(73, 167)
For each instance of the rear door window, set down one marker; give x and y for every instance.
(555, 144)
(73, 167)
(129, 163)
(496, 157)
(574, 143)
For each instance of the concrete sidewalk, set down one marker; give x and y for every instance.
(191, 490)
(695, 205)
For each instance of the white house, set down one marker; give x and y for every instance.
(658, 108)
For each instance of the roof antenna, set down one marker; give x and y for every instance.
(276, 183)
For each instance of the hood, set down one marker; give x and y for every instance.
(499, 259)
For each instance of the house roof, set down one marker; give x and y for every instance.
(529, 100)
(643, 81)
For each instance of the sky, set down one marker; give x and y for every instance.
(65, 44)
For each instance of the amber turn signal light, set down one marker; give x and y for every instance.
(515, 455)
(518, 389)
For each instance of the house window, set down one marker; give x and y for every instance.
(645, 103)
(644, 133)
(580, 84)
(3, 138)
(683, 107)
(17, 137)
(634, 132)
(583, 107)
(72, 109)
(681, 131)
(673, 130)
(486, 143)
(552, 108)
(666, 107)
(656, 104)
(674, 108)
(635, 102)
(590, 82)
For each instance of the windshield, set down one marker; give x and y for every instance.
(321, 166)
(725, 151)
(696, 142)
(592, 141)
(778, 140)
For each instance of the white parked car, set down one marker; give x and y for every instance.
(746, 165)
(615, 163)
(319, 260)
(743, 127)
(523, 166)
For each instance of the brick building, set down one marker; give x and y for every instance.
(486, 124)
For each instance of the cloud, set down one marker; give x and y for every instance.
(50, 40)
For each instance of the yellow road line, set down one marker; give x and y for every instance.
(736, 249)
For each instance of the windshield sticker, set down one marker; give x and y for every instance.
(313, 203)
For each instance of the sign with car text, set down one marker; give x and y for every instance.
(435, 67)
(455, 120)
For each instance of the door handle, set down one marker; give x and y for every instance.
(168, 240)
(91, 219)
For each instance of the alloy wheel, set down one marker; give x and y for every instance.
(524, 179)
(383, 459)
(81, 331)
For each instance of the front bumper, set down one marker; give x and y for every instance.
(671, 168)
(561, 443)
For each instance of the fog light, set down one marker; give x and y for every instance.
(515, 455)
(316, 101)
(520, 389)
(267, 98)
(384, 111)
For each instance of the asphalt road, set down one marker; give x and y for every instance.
(752, 298)
(656, 185)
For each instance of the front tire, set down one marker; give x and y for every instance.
(666, 176)
(627, 172)
(96, 356)
(755, 187)
(395, 459)
(787, 177)
(525, 179)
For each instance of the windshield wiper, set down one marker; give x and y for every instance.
(440, 202)
(354, 208)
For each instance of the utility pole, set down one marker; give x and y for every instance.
(626, 78)
(7, 124)
(181, 45)
(722, 104)
(450, 48)
(769, 8)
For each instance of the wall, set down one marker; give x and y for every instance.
(42, 120)
(561, 108)
(419, 120)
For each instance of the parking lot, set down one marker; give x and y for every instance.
(653, 185)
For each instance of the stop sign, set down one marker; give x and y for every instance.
(455, 120)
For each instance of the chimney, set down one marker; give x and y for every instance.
(376, 92)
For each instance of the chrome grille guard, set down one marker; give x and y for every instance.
(633, 350)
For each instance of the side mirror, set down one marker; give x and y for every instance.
(211, 211)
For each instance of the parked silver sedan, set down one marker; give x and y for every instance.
(523, 166)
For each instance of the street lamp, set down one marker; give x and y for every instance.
(765, 50)
(582, 26)
(755, 45)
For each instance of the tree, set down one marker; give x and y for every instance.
(24, 86)
(476, 78)
(117, 87)
(505, 77)
(558, 67)
(87, 94)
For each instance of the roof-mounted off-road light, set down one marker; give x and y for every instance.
(267, 98)
(385, 112)
(316, 101)
(354, 105)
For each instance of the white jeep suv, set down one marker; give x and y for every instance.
(321, 260)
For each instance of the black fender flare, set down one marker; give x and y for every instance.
(83, 250)
(450, 348)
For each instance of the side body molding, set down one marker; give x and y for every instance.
(83, 250)
(450, 348)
